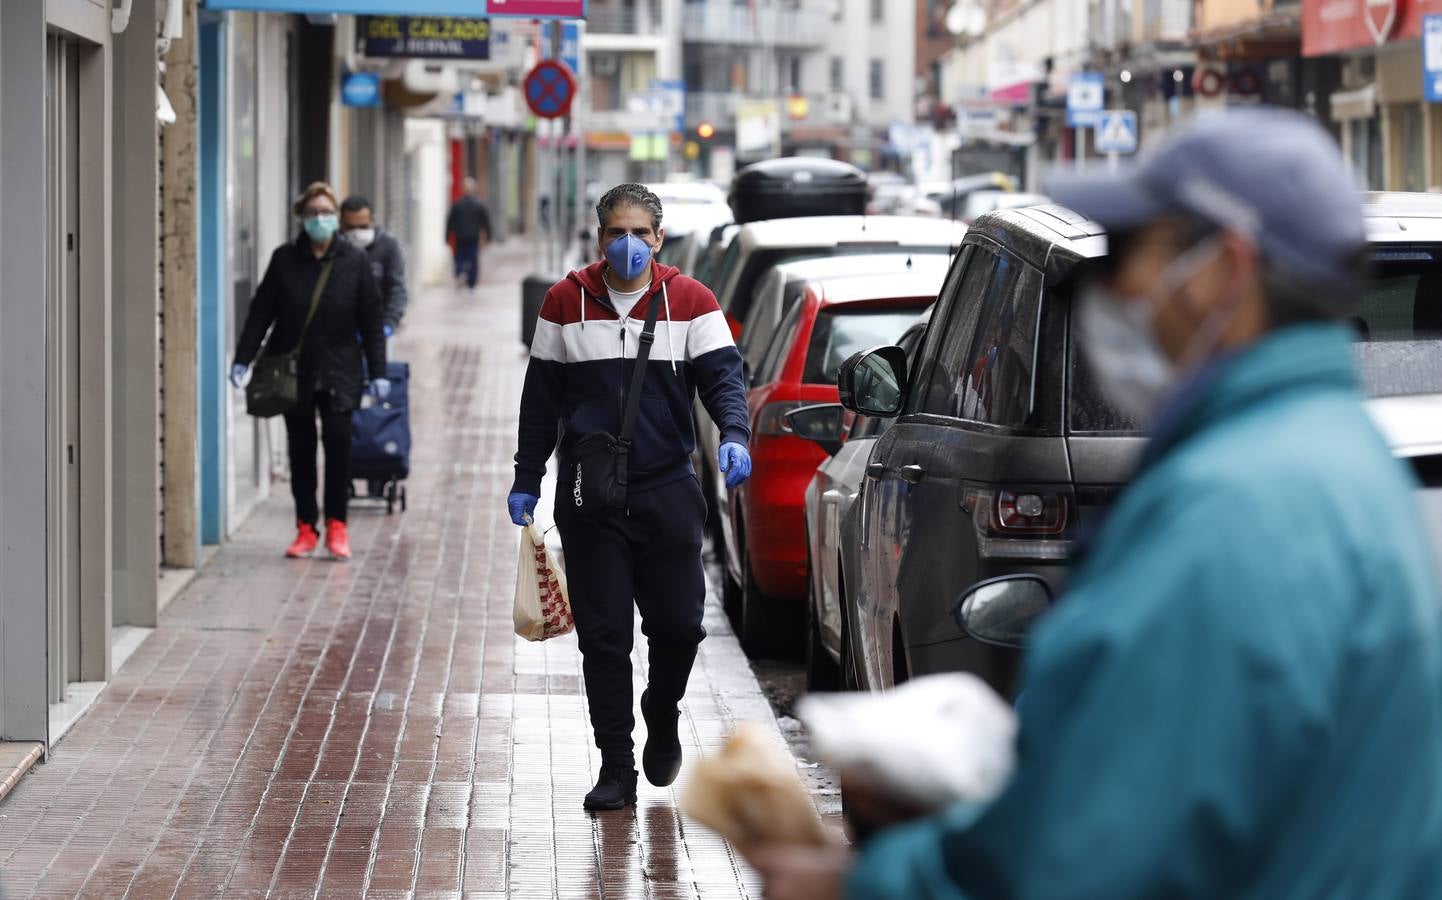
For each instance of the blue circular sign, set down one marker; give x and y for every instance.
(361, 89)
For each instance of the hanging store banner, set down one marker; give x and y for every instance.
(537, 9)
(425, 37)
(1337, 26)
(462, 8)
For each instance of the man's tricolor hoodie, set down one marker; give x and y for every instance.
(581, 362)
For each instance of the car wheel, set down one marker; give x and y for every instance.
(822, 672)
(770, 628)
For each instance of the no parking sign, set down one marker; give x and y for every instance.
(550, 89)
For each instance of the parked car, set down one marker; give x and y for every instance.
(979, 203)
(759, 246)
(830, 540)
(1004, 447)
(687, 227)
(950, 196)
(709, 256)
(765, 562)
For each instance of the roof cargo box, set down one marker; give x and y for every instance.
(797, 186)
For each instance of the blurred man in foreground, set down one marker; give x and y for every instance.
(1240, 694)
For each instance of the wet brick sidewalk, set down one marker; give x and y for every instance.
(307, 728)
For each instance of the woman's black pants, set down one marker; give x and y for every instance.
(300, 429)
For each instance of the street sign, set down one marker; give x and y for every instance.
(361, 89)
(571, 45)
(550, 89)
(425, 37)
(537, 9)
(1432, 57)
(1086, 95)
(1117, 131)
(672, 98)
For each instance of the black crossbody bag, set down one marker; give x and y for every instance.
(275, 384)
(599, 474)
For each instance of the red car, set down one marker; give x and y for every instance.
(834, 318)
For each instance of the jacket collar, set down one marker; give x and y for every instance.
(302, 243)
(1297, 358)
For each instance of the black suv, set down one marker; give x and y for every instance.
(1003, 448)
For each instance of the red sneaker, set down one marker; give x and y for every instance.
(337, 539)
(306, 540)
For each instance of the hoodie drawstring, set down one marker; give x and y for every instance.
(670, 348)
(583, 305)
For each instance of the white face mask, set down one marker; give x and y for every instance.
(361, 237)
(1116, 333)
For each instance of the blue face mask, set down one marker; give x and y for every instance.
(322, 228)
(628, 256)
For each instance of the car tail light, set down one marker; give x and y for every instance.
(1020, 522)
(772, 420)
(1029, 513)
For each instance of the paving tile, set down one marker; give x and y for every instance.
(308, 729)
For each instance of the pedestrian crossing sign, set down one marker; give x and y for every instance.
(1117, 131)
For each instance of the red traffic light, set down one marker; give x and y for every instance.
(705, 131)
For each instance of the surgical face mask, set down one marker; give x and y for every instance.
(1133, 371)
(628, 256)
(361, 237)
(322, 228)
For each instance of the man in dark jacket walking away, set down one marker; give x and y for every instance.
(582, 359)
(468, 226)
(388, 261)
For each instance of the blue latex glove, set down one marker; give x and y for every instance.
(389, 330)
(735, 463)
(522, 507)
(380, 388)
(237, 374)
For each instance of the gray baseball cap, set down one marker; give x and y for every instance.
(1272, 174)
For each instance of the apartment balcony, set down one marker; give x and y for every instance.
(723, 22)
(643, 20)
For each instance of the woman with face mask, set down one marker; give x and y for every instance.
(317, 295)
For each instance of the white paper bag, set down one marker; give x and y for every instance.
(934, 741)
(543, 607)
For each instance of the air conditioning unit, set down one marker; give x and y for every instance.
(605, 64)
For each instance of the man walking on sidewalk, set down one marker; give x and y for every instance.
(591, 326)
(468, 226)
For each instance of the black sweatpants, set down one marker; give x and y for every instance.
(301, 437)
(652, 557)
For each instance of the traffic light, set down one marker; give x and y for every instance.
(705, 131)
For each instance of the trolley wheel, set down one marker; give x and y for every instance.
(403, 498)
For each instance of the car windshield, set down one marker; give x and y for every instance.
(840, 331)
(1398, 348)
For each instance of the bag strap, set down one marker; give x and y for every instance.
(638, 372)
(314, 305)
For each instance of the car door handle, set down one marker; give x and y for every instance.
(911, 474)
(876, 471)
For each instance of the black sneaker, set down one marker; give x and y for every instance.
(661, 759)
(615, 789)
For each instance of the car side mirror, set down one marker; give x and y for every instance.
(1003, 610)
(873, 382)
(823, 424)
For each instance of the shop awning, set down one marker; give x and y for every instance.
(1358, 104)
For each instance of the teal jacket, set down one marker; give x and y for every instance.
(1240, 694)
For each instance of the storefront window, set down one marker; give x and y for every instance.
(1412, 176)
(1365, 141)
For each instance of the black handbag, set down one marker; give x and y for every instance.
(275, 384)
(599, 473)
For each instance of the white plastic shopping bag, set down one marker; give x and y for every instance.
(543, 607)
